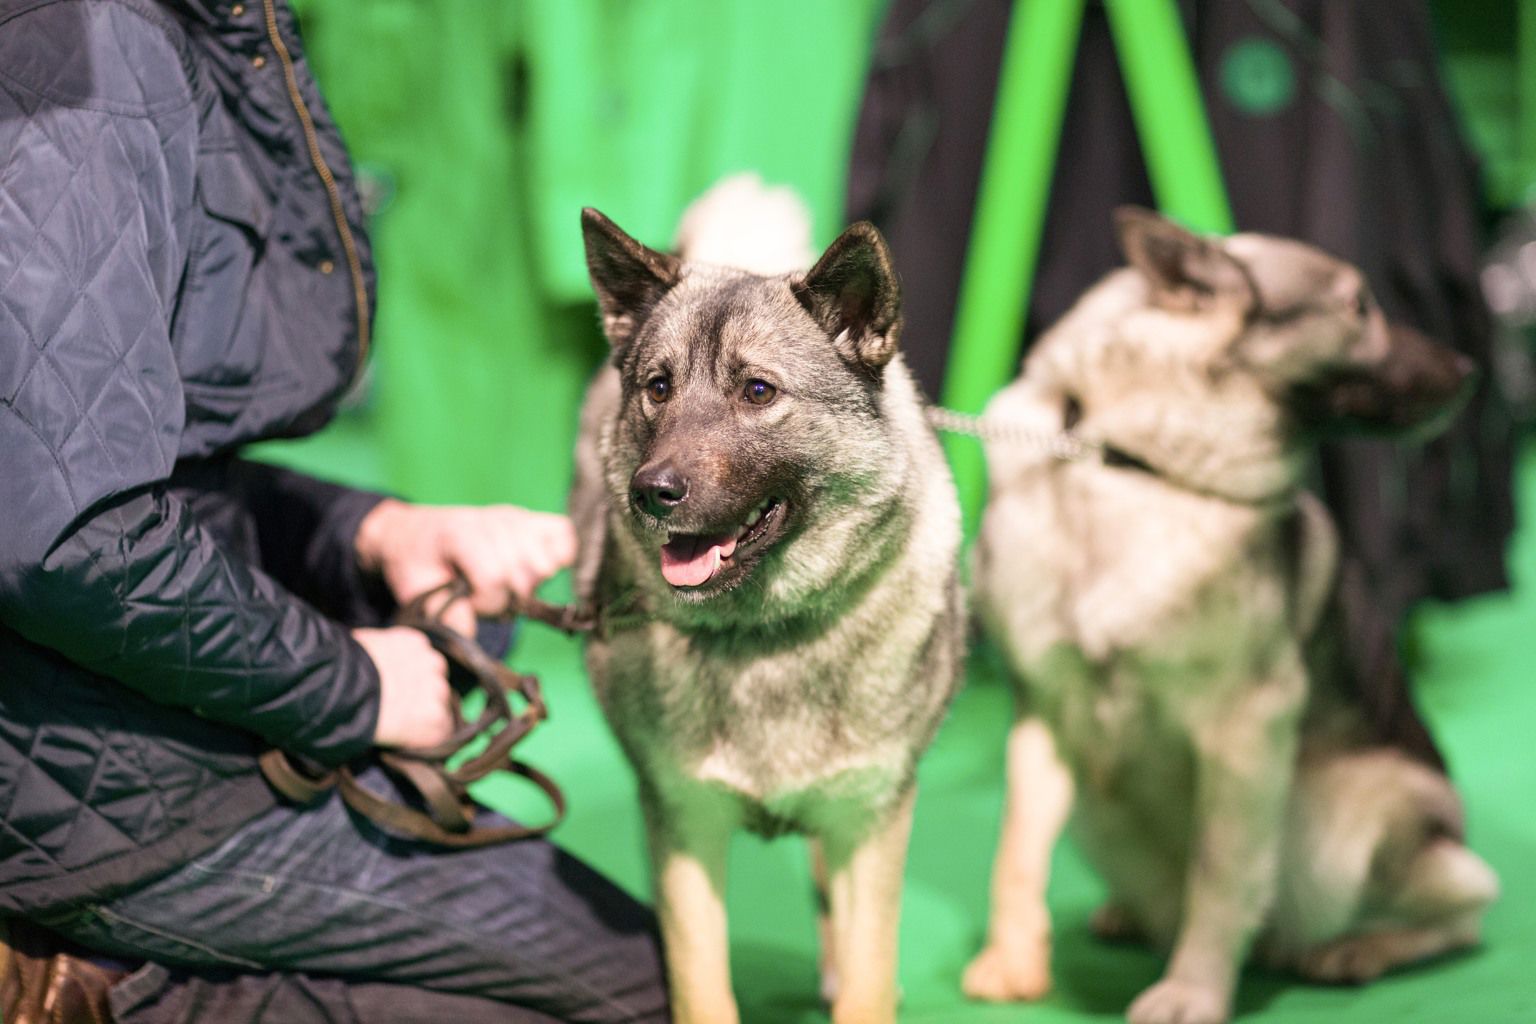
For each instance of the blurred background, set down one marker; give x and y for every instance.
(1396, 133)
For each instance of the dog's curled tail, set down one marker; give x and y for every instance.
(745, 224)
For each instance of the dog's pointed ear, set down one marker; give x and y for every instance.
(1187, 272)
(629, 278)
(853, 294)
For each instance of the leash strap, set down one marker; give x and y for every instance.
(448, 814)
(1061, 445)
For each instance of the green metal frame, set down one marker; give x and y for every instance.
(1038, 58)
(1525, 61)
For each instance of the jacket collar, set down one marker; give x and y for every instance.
(214, 12)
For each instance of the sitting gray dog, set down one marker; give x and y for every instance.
(770, 529)
(1171, 611)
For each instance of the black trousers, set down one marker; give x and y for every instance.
(314, 915)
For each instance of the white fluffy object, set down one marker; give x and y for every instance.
(745, 224)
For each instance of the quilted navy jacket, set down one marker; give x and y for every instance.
(182, 270)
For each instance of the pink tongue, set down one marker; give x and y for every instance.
(689, 561)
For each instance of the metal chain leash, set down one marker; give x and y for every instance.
(1061, 445)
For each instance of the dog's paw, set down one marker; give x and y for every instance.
(1111, 923)
(1179, 1002)
(1351, 961)
(831, 986)
(869, 1014)
(1005, 974)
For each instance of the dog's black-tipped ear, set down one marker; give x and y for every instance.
(629, 278)
(1187, 272)
(853, 294)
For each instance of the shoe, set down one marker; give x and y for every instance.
(43, 980)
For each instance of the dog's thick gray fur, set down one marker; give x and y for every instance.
(771, 529)
(1171, 613)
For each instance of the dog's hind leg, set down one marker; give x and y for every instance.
(1016, 962)
(1436, 908)
(1445, 880)
(688, 841)
(1365, 956)
(864, 894)
(1376, 877)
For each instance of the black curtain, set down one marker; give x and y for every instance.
(1332, 126)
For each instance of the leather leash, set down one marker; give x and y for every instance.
(448, 815)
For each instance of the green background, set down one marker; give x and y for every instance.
(482, 128)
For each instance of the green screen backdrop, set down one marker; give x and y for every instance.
(481, 128)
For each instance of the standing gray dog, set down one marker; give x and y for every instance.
(771, 530)
(1172, 612)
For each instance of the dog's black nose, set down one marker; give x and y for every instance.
(658, 489)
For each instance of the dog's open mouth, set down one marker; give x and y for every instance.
(692, 560)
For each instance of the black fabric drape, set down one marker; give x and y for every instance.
(1332, 126)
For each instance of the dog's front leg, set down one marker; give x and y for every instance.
(1244, 761)
(1016, 963)
(864, 874)
(689, 835)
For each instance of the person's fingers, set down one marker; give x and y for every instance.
(512, 555)
(408, 579)
(524, 579)
(415, 700)
(487, 576)
(497, 563)
(460, 617)
(504, 552)
(551, 537)
(412, 582)
(545, 545)
(561, 542)
(434, 720)
(433, 668)
(481, 554)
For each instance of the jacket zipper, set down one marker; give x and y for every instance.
(338, 213)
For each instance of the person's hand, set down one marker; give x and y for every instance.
(415, 700)
(504, 552)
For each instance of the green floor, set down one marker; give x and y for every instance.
(1476, 684)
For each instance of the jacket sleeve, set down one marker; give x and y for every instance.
(307, 532)
(98, 560)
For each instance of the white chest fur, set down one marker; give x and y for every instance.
(788, 723)
(1133, 609)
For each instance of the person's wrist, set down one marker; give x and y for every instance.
(373, 531)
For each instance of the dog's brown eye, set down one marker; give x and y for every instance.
(1362, 303)
(759, 392)
(659, 388)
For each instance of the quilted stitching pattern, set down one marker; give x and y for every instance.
(99, 161)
